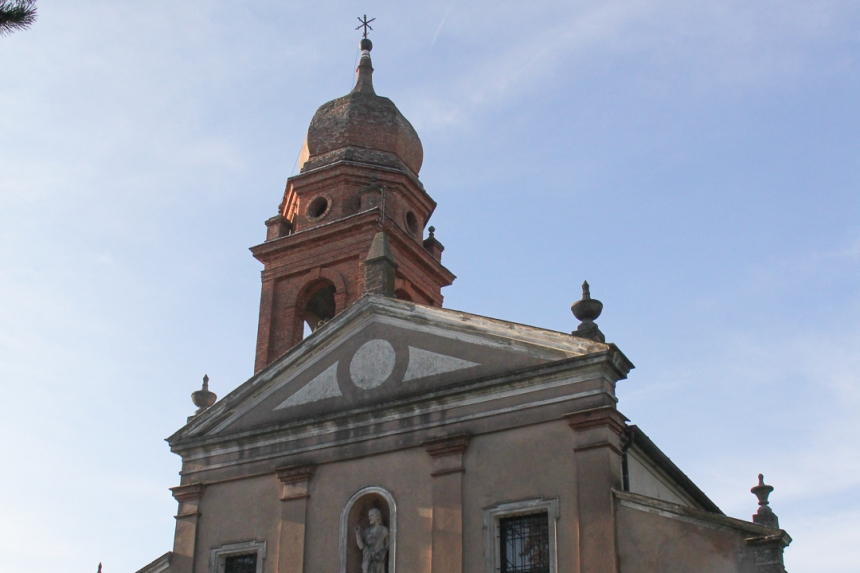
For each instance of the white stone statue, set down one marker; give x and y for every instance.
(373, 544)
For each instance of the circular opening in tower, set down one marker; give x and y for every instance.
(411, 223)
(318, 207)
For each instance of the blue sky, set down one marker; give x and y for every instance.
(697, 162)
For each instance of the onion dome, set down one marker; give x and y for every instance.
(363, 127)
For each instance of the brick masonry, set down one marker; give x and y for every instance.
(305, 252)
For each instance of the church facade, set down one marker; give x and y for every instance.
(403, 437)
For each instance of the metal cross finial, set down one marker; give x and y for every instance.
(365, 23)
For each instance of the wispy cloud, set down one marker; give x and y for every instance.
(439, 28)
(707, 46)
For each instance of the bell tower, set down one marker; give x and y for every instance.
(351, 222)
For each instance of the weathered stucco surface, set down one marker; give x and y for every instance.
(238, 511)
(649, 542)
(657, 536)
(527, 463)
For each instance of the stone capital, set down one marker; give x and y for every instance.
(189, 492)
(294, 481)
(295, 474)
(449, 445)
(604, 416)
(597, 428)
(447, 454)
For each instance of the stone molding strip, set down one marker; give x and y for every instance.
(370, 438)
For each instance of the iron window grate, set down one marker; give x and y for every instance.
(524, 543)
(241, 563)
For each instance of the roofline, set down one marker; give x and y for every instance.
(759, 532)
(157, 565)
(407, 172)
(309, 345)
(662, 461)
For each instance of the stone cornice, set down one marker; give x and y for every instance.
(318, 439)
(315, 234)
(585, 363)
(336, 230)
(370, 307)
(339, 167)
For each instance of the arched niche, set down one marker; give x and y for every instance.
(355, 513)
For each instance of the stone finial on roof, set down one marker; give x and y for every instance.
(764, 515)
(432, 245)
(587, 310)
(203, 398)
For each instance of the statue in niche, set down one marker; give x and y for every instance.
(373, 543)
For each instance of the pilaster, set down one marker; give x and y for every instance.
(294, 504)
(768, 552)
(447, 471)
(187, 517)
(264, 328)
(598, 434)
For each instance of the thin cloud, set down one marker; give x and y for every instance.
(439, 29)
(714, 46)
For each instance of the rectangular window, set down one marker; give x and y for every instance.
(240, 557)
(524, 543)
(241, 563)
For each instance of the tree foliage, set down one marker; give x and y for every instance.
(16, 15)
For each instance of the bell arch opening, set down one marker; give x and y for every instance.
(315, 306)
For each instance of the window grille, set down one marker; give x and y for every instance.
(524, 543)
(246, 563)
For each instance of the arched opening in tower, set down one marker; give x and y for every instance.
(316, 306)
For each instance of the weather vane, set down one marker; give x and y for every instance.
(365, 23)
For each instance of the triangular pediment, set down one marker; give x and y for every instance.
(380, 350)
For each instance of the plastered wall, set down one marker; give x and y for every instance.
(525, 463)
